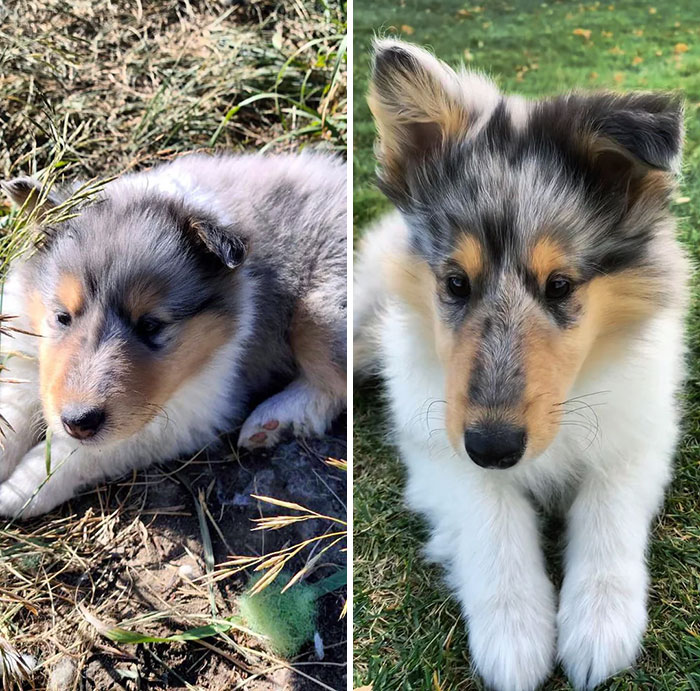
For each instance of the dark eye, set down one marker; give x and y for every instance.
(149, 328)
(63, 318)
(458, 286)
(557, 288)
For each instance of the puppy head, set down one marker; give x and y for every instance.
(539, 234)
(132, 298)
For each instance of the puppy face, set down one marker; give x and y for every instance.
(539, 237)
(132, 298)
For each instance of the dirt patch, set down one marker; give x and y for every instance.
(134, 553)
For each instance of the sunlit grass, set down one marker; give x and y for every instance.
(408, 629)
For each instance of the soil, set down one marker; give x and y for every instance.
(155, 569)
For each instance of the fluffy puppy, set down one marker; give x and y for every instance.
(164, 310)
(525, 308)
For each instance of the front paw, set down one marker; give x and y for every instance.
(15, 499)
(601, 623)
(512, 644)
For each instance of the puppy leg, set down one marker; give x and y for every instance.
(311, 402)
(20, 406)
(498, 572)
(602, 611)
(29, 491)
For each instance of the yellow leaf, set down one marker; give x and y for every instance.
(619, 77)
(680, 48)
(636, 60)
(586, 33)
(616, 51)
(638, 32)
(607, 34)
(406, 29)
(652, 10)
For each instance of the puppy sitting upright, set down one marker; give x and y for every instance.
(525, 307)
(163, 310)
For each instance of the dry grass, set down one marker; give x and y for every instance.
(90, 90)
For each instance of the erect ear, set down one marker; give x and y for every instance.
(418, 102)
(219, 239)
(28, 193)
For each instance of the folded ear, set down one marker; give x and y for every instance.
(634, 141)
(28, 193)
(220, 240)
(418, 102)
(647, 125)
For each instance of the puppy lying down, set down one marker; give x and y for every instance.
(170, 304)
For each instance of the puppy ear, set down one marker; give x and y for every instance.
(28, 193)
(647, 125)
(418, 102)
(220, 240)
(634, 142)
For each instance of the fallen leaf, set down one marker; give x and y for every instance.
(468, 55)
(406, 29)
(616, 51)
(638, 32)
(659, 53)
(636, 60)
(652, 10)
(682, 200)
(607, 34)
(619, 77)
(586, 33)
(680, 48)
(593, 75)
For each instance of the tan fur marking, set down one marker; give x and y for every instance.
(70, 292)
(139, 387)
(36, 311)
(308, 341)
(423, 100)
(554, 359)
(458, 368)
(469, 255)
(142, 301)
(154, 381)
(411, 279)
(546, 257)
(55, 361)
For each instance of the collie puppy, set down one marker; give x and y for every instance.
(163, 310)
(525, 308)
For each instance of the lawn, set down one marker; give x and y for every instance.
(89, 90)
(408, 632)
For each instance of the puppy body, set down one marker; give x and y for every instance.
(590, 378)
(184, 295)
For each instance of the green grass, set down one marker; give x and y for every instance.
(408, 632)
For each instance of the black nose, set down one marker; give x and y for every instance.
(495, 446)
(83, 423)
